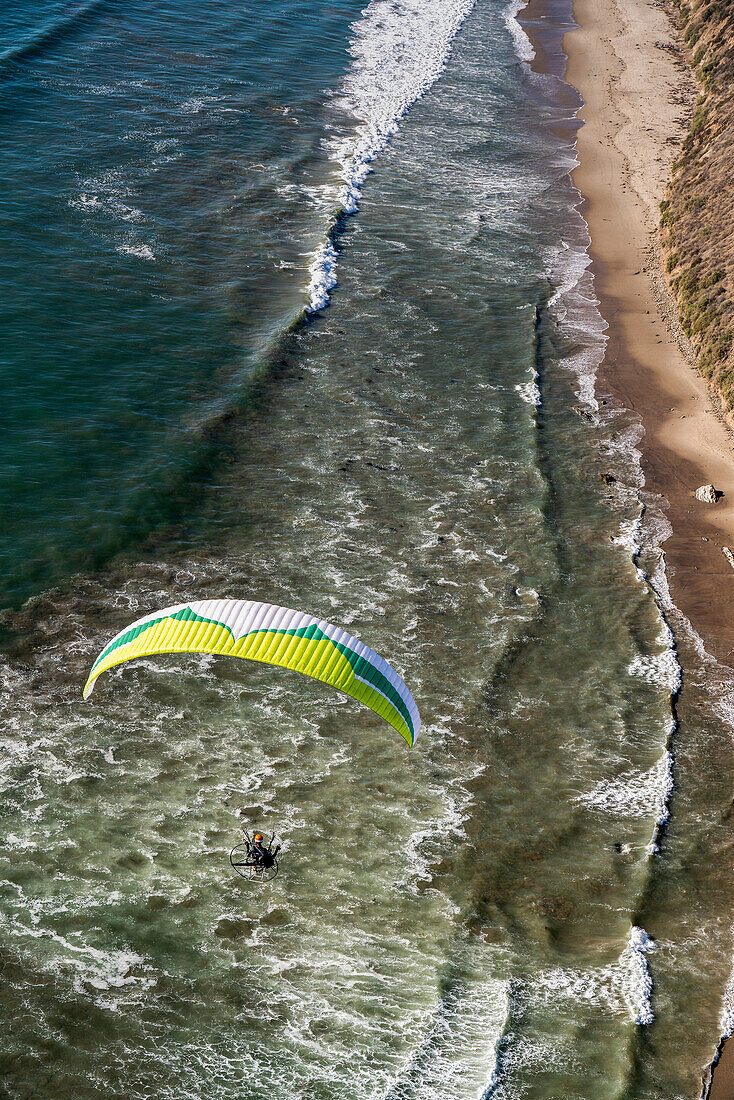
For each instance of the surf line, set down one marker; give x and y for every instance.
(398, 53)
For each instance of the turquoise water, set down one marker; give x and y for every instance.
(533, 902)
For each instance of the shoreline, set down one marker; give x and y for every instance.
(638, 93)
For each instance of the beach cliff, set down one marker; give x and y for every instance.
(697, 214)
(697, 237)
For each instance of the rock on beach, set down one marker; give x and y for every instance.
(708, 494)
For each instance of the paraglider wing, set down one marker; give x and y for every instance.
(275, 636)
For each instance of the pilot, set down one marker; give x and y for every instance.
(261, 853)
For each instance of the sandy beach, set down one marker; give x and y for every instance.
(638, 94)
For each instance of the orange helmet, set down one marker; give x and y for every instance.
(258, 836)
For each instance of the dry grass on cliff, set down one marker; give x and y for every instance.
(697, 216)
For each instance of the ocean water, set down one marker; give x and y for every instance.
(297, 309)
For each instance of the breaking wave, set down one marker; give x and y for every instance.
(398, 52)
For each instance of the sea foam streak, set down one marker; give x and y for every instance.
(621, 986)
(399, 49)
(523, 46)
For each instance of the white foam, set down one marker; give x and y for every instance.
(107, 193)
(622, 986)
(321, 197)
(637, 983)
(727, 1009)
(458, 1053)
(399, 50)
(530, 391)
(523, 48)
(323, 277)
(194, 105)
(566, 269)
(142, 251)
(87, 202)
(662, 668)
(167, 150)
(423, 848)
(104, 972)
(107, 970)
(635, 794)
(576, 307)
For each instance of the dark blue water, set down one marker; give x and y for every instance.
(160, 175)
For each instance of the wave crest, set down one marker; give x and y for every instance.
(399, 50)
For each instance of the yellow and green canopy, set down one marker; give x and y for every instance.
(276, 636)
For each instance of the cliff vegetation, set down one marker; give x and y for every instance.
(697, 215)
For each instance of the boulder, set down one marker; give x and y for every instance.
(708, 494)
